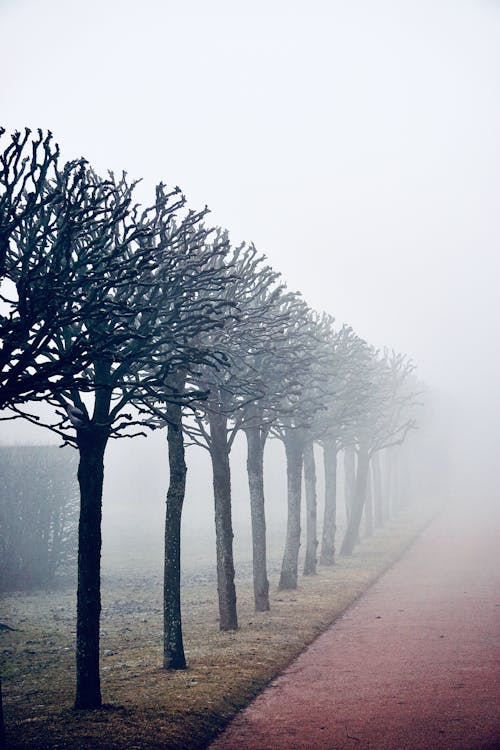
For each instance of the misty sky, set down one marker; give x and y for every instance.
(356, 142)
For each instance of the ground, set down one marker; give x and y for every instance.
(147, 707)
(413, 664)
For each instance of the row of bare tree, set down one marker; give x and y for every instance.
(123, 318)
(38, 516)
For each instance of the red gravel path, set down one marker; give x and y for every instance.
(413, 664)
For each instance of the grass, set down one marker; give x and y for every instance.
(147, 707)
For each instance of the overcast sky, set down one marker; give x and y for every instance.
(356, 142)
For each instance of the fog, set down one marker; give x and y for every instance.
(356, 143)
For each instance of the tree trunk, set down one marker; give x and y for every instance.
(404, 478)
(293, 447)
(377, 491)
(255, 466)
(368, 506)
(387, 483)
(352, 531)
(327, 556)
(311, 509)
(3, 741)
(396, 459)
(349, 480)
(219, 452)
(92, 444)
(392, 483)
(173, 647)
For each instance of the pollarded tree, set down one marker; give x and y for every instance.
(173, 317)
(338, 371)
(180, 390)
(280, 367)
(33, 291)
(246, 334)
(55, 224)
(347, 394)
(323, 382)
(25, 166)
(127, 315)
(45, 211)
(386, 422)
(300, 408)
(271, 367)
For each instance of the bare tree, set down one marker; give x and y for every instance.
(345, 400)
(166, 314)
(124, 303)
(280, 367)
(245, 336)
(329, 403)
(38, 515)
(25, 166)
(45, 212)
(387, 421)
(209, 297)
(334, 371)
(300, 408)
(59, 231)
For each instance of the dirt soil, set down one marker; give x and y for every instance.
(413, 664)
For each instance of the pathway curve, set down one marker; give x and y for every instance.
(414, 664)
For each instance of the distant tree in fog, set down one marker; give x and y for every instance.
(386, 422)
(38, 516)
(299, 410)
(339, 370)
(280, 367)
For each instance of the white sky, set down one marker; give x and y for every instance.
(356, 142)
